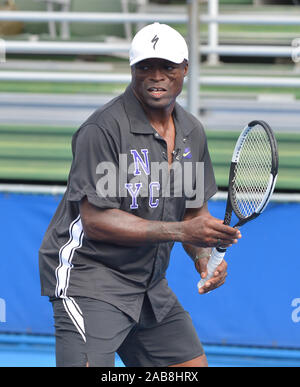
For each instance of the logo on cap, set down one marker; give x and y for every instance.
(154, 40)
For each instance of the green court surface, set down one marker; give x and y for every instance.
(43, 154)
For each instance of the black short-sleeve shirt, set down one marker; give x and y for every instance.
(120, 161)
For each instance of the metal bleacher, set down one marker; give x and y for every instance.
(40, 153)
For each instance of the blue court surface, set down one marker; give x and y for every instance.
(39, 351)
(253, 320)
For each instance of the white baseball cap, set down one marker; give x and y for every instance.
(158, 41)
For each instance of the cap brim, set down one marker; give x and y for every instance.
(174, 59)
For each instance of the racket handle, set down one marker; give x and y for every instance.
(214, 261)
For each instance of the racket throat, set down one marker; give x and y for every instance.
(241, 222)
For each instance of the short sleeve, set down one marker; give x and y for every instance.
(94, 170)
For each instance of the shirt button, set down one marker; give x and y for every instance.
(184, 139)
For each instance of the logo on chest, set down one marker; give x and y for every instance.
(187, 154)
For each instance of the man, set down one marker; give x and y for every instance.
(105, 254)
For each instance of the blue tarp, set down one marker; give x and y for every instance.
(257, 305)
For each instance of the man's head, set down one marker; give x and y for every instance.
(159, 63)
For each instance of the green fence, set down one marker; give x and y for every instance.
(35, 153)
(221, 145)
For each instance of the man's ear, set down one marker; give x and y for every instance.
(186, 69)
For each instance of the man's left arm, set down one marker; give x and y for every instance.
(201, 255)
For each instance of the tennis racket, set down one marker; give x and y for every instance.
(252, 179)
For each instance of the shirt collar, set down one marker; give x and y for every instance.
(184, 120)
(139, 122)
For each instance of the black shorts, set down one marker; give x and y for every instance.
(92, 331)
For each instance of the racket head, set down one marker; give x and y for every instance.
(253, 172)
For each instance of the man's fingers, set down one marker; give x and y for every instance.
(214, 282)
(218, 279)
(226, 240)
(202, 267)
(217, 242)
(224, 235)
(210, 285)
(207, 231)
(218, 235)
(227, 230)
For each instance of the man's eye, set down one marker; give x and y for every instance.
(170, 68)
(143, 68)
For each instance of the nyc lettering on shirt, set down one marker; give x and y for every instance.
(142, 166)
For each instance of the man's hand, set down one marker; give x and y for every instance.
(205, 230)
(218, 278)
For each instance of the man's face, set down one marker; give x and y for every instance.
(158, 82)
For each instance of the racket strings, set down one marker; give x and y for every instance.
(252, 174)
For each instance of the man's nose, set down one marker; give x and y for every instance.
(157, 75)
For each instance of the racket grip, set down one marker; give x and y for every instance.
(214, 261)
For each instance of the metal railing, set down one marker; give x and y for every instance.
(212, 48)
(111, 17)
(75, 77)
(38, 47)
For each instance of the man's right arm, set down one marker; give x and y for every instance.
(121, 228)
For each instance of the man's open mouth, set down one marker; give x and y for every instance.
(156, 91)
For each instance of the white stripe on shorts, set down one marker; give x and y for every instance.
(75, 315)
